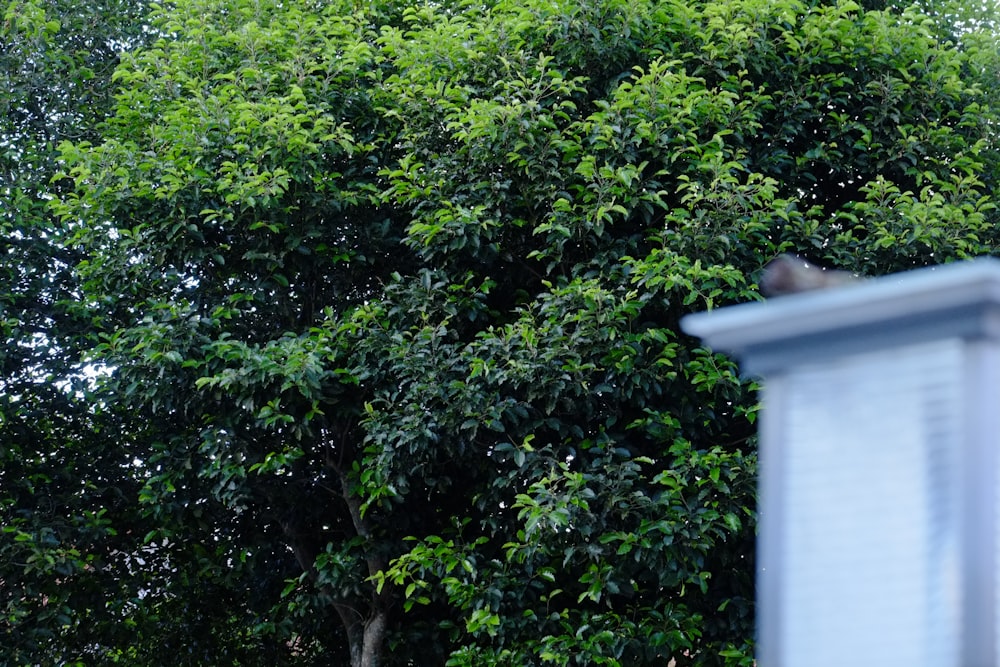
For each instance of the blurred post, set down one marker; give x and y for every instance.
(878, 497)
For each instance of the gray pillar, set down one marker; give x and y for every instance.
(878, 467)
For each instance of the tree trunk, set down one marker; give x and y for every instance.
(364, 622)
(369, 654)
(374, 639)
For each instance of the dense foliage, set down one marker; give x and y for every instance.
(67, 498)
(379, 303)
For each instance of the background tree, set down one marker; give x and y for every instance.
(393, 292)
(63, 482)
(81, 579)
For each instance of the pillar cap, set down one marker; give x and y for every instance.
(961, 299)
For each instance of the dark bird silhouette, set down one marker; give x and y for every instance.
(789, 274)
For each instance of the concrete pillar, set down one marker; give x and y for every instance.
(878, 499)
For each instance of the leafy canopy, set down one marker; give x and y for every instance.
(393, 292)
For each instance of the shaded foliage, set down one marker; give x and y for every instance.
(67, 492)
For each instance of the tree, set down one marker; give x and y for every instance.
(65, 507)
(82, 580)
(394, 293)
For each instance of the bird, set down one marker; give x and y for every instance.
(790, 274)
